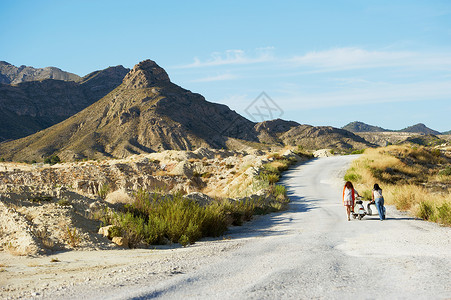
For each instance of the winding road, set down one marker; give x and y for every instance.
(308, 251)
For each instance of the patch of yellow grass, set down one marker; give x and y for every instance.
(403, 172)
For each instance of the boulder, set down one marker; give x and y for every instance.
(205, 152)
(120, 241)
(105, 231)
(322, 153)
(199, 198)
(119, 196)
(183, 168)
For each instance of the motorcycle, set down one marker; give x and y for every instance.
(359, 211)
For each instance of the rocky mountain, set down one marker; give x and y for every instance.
(447, 132)
(268, 131)
(420, 128)
(318, 137)
(146, 113)
(275, 126)
(10, 74)
(362, 127)
(30, 106)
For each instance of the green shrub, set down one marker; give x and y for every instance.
(104, 190)
(445, 172)
(359, 151)
(54, 159)
(444, 214)
(426, 211)
(272, 178)
(174, 219)
(184, 240)
(353, 177)
(270, 169)
(280, 192)
(436, 152)
(114, 231)
(63, 202)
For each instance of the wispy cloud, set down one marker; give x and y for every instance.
(232, 57)
(349, 58)
(369, 94)
(339, 59)
(220, 77)
(331, 60)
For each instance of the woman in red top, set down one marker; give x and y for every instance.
(349, 194)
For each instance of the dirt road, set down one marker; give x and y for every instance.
(309, 251)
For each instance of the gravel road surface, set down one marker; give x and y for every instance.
(308, 251)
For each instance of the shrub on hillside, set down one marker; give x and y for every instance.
(156, 219)
(54, 159)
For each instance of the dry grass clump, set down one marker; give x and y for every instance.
(416, 179)
(72, 237)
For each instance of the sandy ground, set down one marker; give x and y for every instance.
(308, 251)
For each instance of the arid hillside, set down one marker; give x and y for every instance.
(148, 113)
(39, 102)
(46, 208)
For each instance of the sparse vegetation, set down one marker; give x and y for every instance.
(445, 172)
(161, 219)
(104, 189)
(40, 199)
(73, 237)
(152, 216)
(52, 160)
(358, 151)
(63, 202)
(44, 236)
(416, 179)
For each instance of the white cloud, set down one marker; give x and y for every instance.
(369, 94)
(332, 60)
(339, 59)
(220, 77)
(232, 57)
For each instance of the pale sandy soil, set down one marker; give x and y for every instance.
(44, 276)
(309, 251)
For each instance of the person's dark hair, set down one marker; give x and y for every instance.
(349, 185)
(376, 187)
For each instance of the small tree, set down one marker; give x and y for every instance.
(54, 159)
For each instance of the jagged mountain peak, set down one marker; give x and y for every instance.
(145, 74)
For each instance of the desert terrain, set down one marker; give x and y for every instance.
(308, 251)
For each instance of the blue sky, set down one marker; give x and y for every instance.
(386, 63)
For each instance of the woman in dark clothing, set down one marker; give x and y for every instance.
(378, 199)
